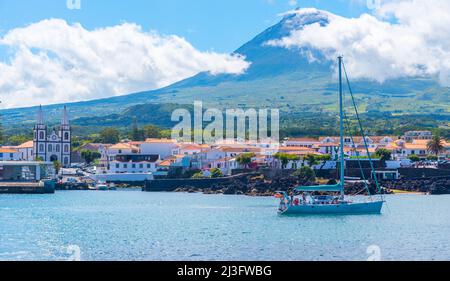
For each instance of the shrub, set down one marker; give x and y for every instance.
(216, 173)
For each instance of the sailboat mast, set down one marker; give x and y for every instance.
(341, 119)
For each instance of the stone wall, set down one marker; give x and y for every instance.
(417, 173)
(174, 184)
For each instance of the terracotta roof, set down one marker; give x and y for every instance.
(28, 144)
(301, 153)
(415, 146)
(165, 163)
(303, 140)
(240, 149)
(321, 139)
(160, 141)
(328, 144)
(191, 147)
(294, 148)
(123, 146)
(7, 150)
(360, 149)
(136, 143)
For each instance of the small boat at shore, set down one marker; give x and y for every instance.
(100, 185)
(331, 199)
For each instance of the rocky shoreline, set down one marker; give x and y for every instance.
(260, 185)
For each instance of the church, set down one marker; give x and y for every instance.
(57, 145)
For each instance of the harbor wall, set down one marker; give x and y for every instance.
(418, 173)
(45, 187)
(168, 185)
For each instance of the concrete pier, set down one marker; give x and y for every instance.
(44, 187)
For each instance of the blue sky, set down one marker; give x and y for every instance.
(219, 25)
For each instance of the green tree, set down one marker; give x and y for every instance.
(383, 154)
(17, 139)
(436, 145)
(136, 133)
(198, 175)
(110, 135)
(285, 159)
(90, 156)
(312, 160)
(152, 131)
(216, 173)
(167, 134)
(432, 158)
(245, 159)
(57, 165)
(414, 158)
(305, 174)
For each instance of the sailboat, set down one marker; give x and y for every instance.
(332, 198)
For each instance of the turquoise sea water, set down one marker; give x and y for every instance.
(131, 225)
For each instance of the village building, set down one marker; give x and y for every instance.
(26, 151)
(8, 154)
(133, 164)
(162, 147)
(302, 142)
(417, 135)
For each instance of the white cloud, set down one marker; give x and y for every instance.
(292, 2)
(402, 38)
(53, 61)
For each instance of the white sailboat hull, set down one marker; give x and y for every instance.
(347, 209)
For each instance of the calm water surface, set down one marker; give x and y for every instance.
(131, 225)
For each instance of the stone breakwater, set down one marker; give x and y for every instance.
(260, 185)
(434, 186)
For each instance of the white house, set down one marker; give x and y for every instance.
(162, 147)
(302, 142)
(26, 151)
(133, 164)
(8, 154)
(417, 135)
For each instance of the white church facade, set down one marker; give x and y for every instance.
(55, 145)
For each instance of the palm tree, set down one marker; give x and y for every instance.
(436, 145)
(245, 159)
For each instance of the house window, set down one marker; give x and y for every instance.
(1, 155)
(11, 155)
(41, 135)
(133, 166)
(41, 148)
(66, 136)
(141, 166)
(50, 148)
(117, 166)
(149, 166)
(66, 161)
(66, 148)
(125, 166)
(58, 148)
(120, 151)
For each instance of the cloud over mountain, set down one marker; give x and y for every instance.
(52, 61)
(403, 38)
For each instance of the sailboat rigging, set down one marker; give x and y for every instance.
(336, 202)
